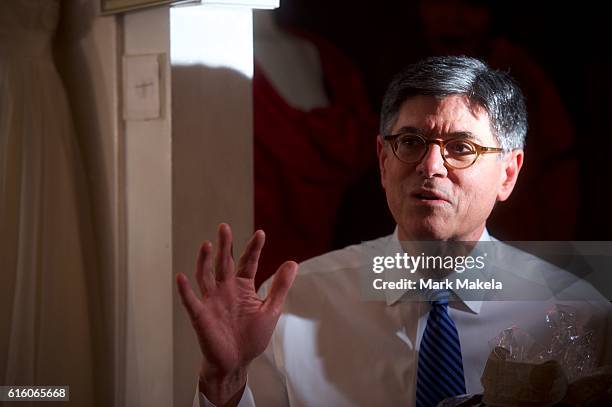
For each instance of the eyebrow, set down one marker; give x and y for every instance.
(421, 132)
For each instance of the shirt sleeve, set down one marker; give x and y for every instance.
(246, 400)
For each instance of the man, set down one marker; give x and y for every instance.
(451, 146)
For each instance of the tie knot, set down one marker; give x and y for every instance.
(438, 297)
(443, 303)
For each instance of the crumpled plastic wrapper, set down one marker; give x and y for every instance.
(516, 345)
(521, 372)
(572, 349)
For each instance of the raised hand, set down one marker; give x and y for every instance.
(232, 324)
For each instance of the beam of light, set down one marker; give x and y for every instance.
(213, 36)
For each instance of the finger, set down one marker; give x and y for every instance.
(247, 264)
(224, 263)
(188, 297)
(204, 269)
(283, 279)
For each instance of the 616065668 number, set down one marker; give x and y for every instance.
(34, 393)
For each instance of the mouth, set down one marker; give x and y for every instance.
(430, 197)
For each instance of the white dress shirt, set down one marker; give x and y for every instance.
(333, 348)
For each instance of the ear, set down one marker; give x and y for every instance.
(512, 164)
(383, 155)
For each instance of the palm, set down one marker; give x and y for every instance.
(232, 323)
(232, 326)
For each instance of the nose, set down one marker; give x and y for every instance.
(432, 164)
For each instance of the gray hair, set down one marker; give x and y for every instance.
(493, 90)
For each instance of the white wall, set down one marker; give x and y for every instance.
(212, 67)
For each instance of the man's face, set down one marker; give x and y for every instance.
(431, 201)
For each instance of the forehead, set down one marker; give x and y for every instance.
(444, 116)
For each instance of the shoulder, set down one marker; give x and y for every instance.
(333, 277)
(531, 264)
(349, 258)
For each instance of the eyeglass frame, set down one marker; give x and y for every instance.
(391, 138)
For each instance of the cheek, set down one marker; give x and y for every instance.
(396, 182)
(394, 175)
(479, 196)
(482, 199)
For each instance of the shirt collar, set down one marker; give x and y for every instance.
(393, 246)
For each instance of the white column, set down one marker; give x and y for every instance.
(148, 222)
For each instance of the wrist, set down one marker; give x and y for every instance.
(223, 389)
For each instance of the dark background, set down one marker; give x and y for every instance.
(570, 42)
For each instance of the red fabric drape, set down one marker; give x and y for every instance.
(304, 161)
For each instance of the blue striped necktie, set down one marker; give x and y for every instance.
(440, 369)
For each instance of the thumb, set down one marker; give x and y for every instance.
(190, 301)
(283, 279)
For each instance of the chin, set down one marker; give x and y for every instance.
(426, 230)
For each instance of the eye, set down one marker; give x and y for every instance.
(409, 141)
(460, 147)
